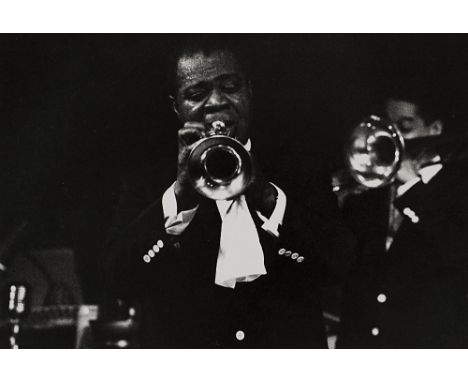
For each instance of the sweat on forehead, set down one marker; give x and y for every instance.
(190, 67)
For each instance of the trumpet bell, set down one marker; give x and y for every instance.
(374, 152)
(220, 167)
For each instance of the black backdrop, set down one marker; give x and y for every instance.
(80, 111)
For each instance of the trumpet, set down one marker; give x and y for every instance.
(375, 150)
(219, 166)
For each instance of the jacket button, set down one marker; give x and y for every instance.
(287, 253)
(282, 251)
(381, 298)
(151, 253)
(295, 255)
(300, 259)
(414, 219)
(375, 332)
(160, 243)
(411, 214)
(155, 248)
(240, 335)
(146, 258)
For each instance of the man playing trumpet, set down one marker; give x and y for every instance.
(409, 287)
(241, 272)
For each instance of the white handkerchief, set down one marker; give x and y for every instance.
(240, 256)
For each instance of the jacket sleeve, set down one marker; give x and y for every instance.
(441, 208)
(313, 226)
(129, 239)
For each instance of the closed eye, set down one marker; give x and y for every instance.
(195, 94)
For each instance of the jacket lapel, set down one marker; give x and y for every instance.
(209, 222)
(266, 240)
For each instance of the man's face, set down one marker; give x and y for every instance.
(408, 120)
(213, 88)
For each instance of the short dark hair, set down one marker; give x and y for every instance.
(186, 45)
(424, 93)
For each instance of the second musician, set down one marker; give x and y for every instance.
(409, 288)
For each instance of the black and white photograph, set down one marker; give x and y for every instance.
(206, 191)
(234, 191)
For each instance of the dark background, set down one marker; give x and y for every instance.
(80, 111)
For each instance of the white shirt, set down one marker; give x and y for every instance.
(425, 175)
(176, 223)
(245, 264)
(395, 217)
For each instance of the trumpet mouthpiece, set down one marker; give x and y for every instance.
(217, 128)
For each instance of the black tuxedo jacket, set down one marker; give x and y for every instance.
(416, 294)
(181, 305)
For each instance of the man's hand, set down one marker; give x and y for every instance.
(261, 193)
(408, 170)
(187, 196)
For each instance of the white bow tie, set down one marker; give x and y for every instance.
(240, 256)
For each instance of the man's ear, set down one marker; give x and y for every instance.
(174, 105)
(436, 127)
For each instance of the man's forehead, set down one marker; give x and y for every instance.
(199, 66)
